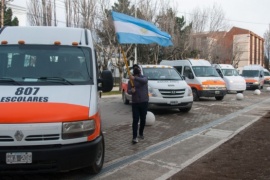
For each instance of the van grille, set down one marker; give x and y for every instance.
(172, 93)
(46, 137)
(6, 139)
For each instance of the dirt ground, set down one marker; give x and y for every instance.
(245, 156)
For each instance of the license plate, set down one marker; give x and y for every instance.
(173, 102)
(217, 92)
(19, 158)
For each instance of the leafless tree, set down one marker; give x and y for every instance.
(208, 22)
(267, 46)
(40, 12)
(81, 13)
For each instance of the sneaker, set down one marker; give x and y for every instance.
(134, 141)
(141, 137)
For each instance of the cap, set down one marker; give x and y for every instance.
(135, 66)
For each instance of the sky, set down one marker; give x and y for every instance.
(253, 15)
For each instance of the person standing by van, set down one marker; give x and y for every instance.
(139, 93)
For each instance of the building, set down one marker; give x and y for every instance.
(247, 47)
(238, 47)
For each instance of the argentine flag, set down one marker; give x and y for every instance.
(131, 30)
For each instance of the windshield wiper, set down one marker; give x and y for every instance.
(8, 80)
(56, 79)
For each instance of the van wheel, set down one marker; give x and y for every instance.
(185, 109)
(124, 98)
(219, 98)
(98, 164)
(195, 95)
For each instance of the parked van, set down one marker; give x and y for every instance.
(167, 89)
(254, 76)
(266, 76)
(201, 77)
(49, 100)
(234, 82)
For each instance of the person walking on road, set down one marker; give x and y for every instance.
(140, 100)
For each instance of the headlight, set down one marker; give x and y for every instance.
(205, 87)
(189, 91)
(151, 92)
(256, 82)
(231, 81)
(78, 129)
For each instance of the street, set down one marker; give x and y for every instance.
(169, 123)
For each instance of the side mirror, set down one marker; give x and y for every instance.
(105, 84)
(190, 76)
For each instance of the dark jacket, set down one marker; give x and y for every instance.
(141, 87)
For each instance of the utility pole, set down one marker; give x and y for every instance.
(2, 12)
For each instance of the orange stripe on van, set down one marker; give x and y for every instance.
(196, 86)
(97, 119)
(250, 80)
(41, 112)
(213, 82)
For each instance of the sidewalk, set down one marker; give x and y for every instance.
(164, 159)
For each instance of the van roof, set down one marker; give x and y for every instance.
(47, 35)
(253, 67)
(155, 66)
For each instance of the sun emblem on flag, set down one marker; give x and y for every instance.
(143, 30)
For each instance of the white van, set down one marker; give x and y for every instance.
(167, 89)
(49, 100)
(254, 76)
(201, 77)
(266, 76)
(234, 82)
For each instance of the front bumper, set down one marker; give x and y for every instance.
(52, 158)
(212, 93)
(170, 103)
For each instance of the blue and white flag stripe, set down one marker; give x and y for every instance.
(137, 31)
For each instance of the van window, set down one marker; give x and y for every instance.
(250, 73)
(205, 71)
(187, 71)
(161, 74)
(266, 73)
(44, 65)
(230, 72)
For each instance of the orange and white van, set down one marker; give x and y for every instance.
(266, 76)
(254, 76)
(201, 77)
(49, 100)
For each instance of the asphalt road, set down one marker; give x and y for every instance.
(169, 123)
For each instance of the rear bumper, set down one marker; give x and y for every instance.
(55, 158)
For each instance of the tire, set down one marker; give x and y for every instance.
(185, 109)
(98, 164)
(195, 95)
(219, 98)
(124, 98)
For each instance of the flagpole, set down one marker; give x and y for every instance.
(126, 63)
(135, 50)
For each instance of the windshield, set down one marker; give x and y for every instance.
(161, 74)
(229, 72)
(41, 64)
(250, 73)
(205, 71)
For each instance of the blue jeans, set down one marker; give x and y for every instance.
(139, 111)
